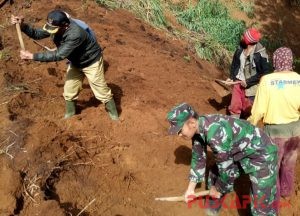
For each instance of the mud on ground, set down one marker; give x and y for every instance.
(51, 166)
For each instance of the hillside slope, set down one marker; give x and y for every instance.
(52, 166)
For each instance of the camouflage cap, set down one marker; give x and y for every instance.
(178, 116)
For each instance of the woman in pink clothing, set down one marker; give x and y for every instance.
(278, 103)
(286, 136)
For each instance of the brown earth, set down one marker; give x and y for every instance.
(51, 166)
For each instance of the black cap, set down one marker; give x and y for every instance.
(56, 19)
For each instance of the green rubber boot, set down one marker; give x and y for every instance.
(70, 109)
(112, 110)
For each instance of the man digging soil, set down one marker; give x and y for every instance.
(236, 145)
(83, 52)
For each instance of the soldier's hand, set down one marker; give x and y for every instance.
(214, 193)
(16, 19)
(189, 196)
(24, 54)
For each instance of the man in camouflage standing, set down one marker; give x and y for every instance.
(237, 145)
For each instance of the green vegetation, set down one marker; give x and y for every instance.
(187, 58)
(297, 65)
(109, 3)
(209, 29)
(4, 54)
(272, 44)
(247, 7)
(149, 10)
(211, 19)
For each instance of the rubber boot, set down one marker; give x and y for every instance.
(112, 110)
(70, 109)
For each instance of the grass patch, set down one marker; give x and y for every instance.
(4, 54)
(109, 3)
(247, 7)
(149, 10)
(213, 34)
(217, 34)
(212, 18)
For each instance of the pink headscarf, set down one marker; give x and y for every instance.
(283, 59)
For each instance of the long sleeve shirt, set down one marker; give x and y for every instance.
(231, 140)
(277, 99)
(74, 44)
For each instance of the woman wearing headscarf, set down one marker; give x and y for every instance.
(277, 102)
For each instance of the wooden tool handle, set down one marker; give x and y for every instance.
(181, 198)
(20, 36)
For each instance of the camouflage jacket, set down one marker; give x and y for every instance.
(231, 141)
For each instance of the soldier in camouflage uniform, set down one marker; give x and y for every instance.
(235, 143)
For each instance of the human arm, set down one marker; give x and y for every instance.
(190, 191)
(198, 162)
(68, 44)
(28, 30)
(213, 192)
(197, 171)
(24, 54)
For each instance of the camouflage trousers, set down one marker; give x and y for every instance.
(263, 185)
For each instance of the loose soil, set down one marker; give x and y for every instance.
(52, 166)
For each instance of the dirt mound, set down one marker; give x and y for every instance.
(59, 167)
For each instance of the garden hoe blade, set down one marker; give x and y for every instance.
(222, 87)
